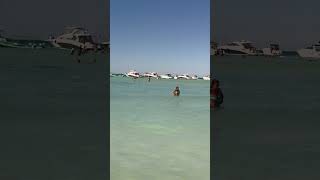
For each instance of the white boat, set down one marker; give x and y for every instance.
(166, 76)
(238, 48)
(272, 50)
(310, 52)
(175, 77)
(22, 43)
(194, 77)
(207, 78)
(184, 76)
(151, 74)
(73, 37)
(133, 73)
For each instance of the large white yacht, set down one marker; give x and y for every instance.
(184, 76)
(310, 52)
(133, 73)
(151, 74)
(73, 37)
(166, 76)
(272, 50)
(238, 48)
(207, 78)
(194, 77)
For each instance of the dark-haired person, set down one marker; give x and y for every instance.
(176, 92)
(216, 95)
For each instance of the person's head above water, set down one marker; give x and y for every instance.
(215, 83)
(176, 91)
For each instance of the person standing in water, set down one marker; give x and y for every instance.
(216, 95)
(80, 50)
(149, 79)
(176, 92)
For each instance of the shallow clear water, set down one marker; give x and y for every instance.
(155, 135)
(269, 125)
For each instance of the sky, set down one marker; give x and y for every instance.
(293, 24)
(37, 19)
(164, 36)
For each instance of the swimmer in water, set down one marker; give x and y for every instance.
(176, 92)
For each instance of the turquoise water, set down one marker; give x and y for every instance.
(157, 136)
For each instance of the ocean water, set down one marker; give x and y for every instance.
(53, 114)
(269, 125)
(155, 135)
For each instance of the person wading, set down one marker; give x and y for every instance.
(176, 92)
(216, 95)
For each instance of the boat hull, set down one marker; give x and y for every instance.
(268, 52)
(308, 53)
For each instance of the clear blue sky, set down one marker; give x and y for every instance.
(160, 35)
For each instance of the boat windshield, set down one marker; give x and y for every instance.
(247, 45)
(85, 39)
(317, 48)
(274, 46)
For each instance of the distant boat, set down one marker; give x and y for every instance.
(22, 43)
(310, 52)
(74, 38)
(118, 74)
(194, 77)
(184, 76)
(207, 78)
(133, 73)
(238, 48)
(166, 76)
(151, 74)
(272, 50)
